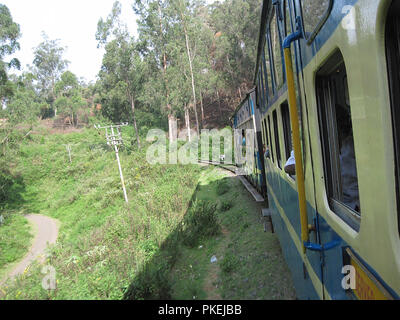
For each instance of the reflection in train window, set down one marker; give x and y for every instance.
(315, 13)
(276, 51)
(337, 140)
(276, 134)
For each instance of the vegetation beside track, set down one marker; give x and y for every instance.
(149, 248)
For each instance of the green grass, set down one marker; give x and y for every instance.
(158, 246)
(103, 243)
(15, 236)
(249, 264)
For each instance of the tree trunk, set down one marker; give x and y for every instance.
(191, 74)
(219, 104)
(187, 120)
(172, 127)
(134, 121)
(202, 110)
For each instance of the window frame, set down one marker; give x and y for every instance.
(330, 142)
(277, 86)
(271, 149)
(319, 25)
(275, 120)
(287, 129)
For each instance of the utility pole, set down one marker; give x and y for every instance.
(114, 138)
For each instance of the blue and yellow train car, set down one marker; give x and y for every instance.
(246, 122)
(328, 89)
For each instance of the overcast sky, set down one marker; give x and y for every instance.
(74, 22)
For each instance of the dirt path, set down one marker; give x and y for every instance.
(46, 233)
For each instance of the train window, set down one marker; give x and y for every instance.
(337, 140)
(276, 51)
(266, 133)
(259, 96)
(315, 13)
(276, 134)
(393, 65)
(288, 25)
(271, 148)
(287, 131)
(264, 138)
(267, 71)
(264, 96)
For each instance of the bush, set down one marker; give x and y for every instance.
(229, 263)
(222, 187)
(200, 222)
(225, 206)
(151, 283)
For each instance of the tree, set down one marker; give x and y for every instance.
(9, 34)
(122, 66)
(154, 29)
(69, 97)
(48, 65)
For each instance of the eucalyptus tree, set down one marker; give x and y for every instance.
(154, 27)
(122, 66)
(236, 28)
(9, 35)
(69, 97)
(48, 65)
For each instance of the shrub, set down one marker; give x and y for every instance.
(151, 283)
(200, 222)
(222, 187)
(229, 263)
(225, 205)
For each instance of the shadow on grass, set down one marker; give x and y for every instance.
(199, 222)
(11, 189)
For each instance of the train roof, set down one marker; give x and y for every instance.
(242, 102)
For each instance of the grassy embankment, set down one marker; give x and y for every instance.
(149, 248)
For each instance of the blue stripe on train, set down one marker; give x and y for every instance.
(333, 259)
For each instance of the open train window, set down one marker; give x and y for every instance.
(263, 84)
(267, 71)
(259, 95)
(393, 64)
(315, 13)
(287, 131)
(288, 25)
(276, 134)
(337, 141)
(276, 51)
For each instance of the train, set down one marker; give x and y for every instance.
(326, 96)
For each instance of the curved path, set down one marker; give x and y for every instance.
(46, 233)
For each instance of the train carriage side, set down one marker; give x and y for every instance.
(247, 117)
(346, 59)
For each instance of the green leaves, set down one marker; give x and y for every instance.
(9, 34)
